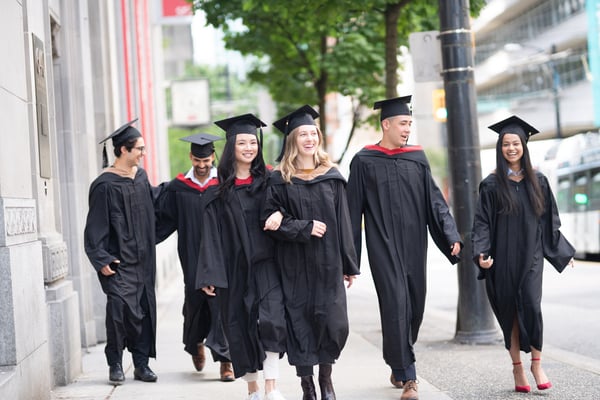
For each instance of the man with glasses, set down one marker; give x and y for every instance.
(119, 240)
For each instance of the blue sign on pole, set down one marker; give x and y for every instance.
(593, 13)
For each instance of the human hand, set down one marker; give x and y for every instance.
(209, 290)
(273, 222)
(350, 279)
(107, 270)
(319, 228)
(455, 248)
(572, 263)
(485, 263)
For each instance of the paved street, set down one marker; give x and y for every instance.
(447, 370)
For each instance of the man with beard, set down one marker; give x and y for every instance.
(179, 208)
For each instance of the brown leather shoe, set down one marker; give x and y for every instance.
(227, 372)
(200, 359)
(397, 384)
(410, 391)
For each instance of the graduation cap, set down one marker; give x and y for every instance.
(119, 137)
(304, 115)
(516, 125)
(393, 107)
(246, 123)
(202, 144)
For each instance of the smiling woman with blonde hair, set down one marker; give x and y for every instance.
(315, 252)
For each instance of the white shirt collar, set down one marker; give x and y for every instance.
(190, 175)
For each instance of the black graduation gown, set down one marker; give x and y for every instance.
(179, 208)
(238, 259)
(399, 199)
(518, 244)
(121, 225)
(313, 268)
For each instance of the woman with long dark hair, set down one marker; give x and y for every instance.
(238, 264)
(516, 226)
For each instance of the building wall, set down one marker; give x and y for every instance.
(532, 29)
(77, 71)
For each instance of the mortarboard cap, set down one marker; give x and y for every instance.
(119, 137)
(392, 107)
(304, 115)
(246, 123)
(202, 145)
(514, 125)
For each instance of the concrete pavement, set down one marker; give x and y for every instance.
(446, 369)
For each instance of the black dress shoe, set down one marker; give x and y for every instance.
(115, 374)
(144, 374)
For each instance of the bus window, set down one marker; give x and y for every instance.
(580, 193)
(594, 200)
(563, 194)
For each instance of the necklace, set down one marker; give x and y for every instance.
(515, 173)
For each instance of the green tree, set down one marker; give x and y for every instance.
(306, 50)
(223, 87)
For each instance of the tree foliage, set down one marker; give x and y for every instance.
(306, 50)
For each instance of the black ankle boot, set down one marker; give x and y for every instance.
(327, 392)
(308, 388)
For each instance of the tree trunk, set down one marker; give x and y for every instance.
(392, 13)
(321, 86)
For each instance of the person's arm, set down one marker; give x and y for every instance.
(166, 211)
(211, 270)
(441, 224)
(557, 249)
(290, 228)
(97, 229)
(483, 229)
(355, 199)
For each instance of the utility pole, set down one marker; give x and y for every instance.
(475, 321)
(555, 95)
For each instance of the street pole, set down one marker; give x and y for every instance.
(555, 87)
(475, 322)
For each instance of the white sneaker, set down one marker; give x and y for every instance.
(254, 396)
(274, 395)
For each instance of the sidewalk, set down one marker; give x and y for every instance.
(446, 370)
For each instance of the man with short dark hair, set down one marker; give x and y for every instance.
(119, 240)
(391, 185)
(179, 208)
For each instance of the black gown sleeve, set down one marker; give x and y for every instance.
(290, 229)
(557, 249)
(442, 227)
(166, 211)
(349, 260)
(355, 195)
(211, 262)
(483, 226)
(97, 228)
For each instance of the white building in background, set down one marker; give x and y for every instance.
(535, 59)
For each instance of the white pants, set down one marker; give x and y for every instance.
(270, 368)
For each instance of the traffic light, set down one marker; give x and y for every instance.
(439, 105)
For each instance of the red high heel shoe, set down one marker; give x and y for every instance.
(524, 388)
(541, 386)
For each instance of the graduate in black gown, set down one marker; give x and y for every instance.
(179, 208)
(119, 240)
(315, 250)
(391, 186)
(238, 260)
(516, 226)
